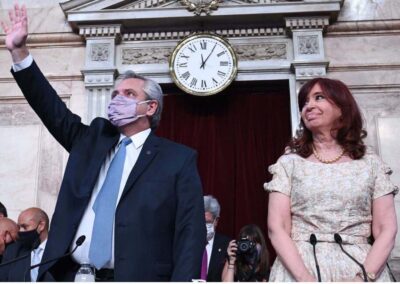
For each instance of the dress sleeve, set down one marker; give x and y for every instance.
(383, 184)
(281, 176)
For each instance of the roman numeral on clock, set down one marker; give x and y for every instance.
(186, 75)
(203, 84)
(192, 48)
(193, 82)
(221, 74)
(203, 44)
(221, 53)
(184, 64)
(223, 63)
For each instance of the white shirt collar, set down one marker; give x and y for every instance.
(138, 139)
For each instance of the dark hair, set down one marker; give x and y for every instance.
(253, 233)
(350, 132)
(3, 210)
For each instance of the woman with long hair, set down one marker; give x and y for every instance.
(329, 194)
(247, 257)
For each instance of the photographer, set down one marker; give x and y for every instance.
(247, 259)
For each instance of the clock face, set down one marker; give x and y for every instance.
(203, 64)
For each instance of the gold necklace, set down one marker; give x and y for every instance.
(327, 161)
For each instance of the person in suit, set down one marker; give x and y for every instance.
(135, 196)
(32, 237)
(216, 243)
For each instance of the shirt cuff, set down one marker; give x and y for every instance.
(23, 64)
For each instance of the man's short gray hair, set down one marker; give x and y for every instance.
(152, 90)
(211, 205)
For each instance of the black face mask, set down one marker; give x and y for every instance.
(29, 239)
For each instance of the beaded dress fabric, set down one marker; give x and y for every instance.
(328, 199)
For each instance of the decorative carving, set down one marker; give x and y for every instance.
(147, 4)
(307, 23)
(262, 51)
(201, 6)
(99, 79)
(143, 4)
(100, 52)
(100, 31)
(310, 72)
(145, 56)
(251, 32)
(308, 44)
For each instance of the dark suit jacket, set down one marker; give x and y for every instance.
(15, 272)
(159, 220)
(218, 257)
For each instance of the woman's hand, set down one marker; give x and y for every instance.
(231, 251)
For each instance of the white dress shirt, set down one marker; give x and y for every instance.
(36, 257)
(81, 255)
(209, 248)
(18, 66)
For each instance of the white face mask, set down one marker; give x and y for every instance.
(210, 230)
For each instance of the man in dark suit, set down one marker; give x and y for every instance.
(32, 237)
(217, 243)
(155, 230)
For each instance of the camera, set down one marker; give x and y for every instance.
(245, 246)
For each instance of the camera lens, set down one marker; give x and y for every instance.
(244, 246)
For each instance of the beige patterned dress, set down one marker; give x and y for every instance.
(328, 199)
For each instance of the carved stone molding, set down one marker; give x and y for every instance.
(308, 44)
(145, 56)
(261, 51)
(100, 52)
(307, 23)
(99, 78)
(309, 70)
(365, 27)
(225, 32)
(197, 4)
(147, 4)
(100, 31)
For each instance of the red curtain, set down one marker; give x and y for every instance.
(237, 134)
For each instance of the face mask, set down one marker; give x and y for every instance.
(29, 238)
(123, 110)
(210, 231)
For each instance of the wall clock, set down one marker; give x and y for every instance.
(203, 64)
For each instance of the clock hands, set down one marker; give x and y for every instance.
(203, 63)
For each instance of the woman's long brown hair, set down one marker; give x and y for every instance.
(350, 132)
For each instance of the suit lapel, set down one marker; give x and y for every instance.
(149, 151)
(100, 152)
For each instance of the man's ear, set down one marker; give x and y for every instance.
(41, 226)
(152, 107)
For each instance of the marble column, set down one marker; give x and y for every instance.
(100, 68)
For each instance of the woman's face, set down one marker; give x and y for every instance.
(319, 114)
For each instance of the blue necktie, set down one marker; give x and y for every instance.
(104, 207)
